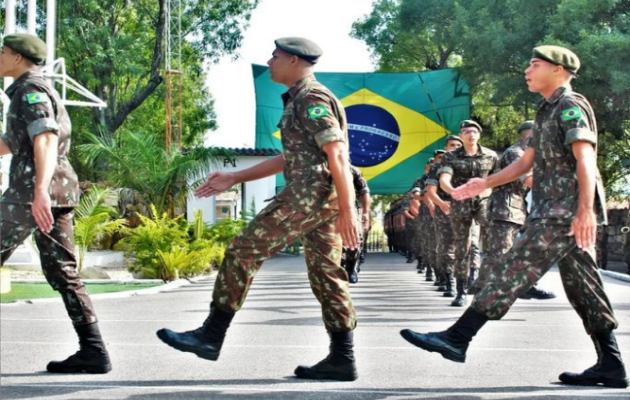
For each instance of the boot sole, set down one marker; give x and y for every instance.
(303, 373)
(432, 349)
(85, 369)
(613, 383)
(188, 349)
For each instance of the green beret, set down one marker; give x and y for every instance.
(559, 56)
(526, 125)
(454, 137)
(436, 152)
(303, 48)
(431, 161)
(29, 46)
(469, 122)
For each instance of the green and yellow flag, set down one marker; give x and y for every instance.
(395, 120)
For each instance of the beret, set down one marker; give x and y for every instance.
(27, 45)
(469, 122)
(437, 152)
(559, 56)
(454, 137)
(301, 47)
(526, 125)
(431, 161)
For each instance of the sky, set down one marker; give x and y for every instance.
(326, 22)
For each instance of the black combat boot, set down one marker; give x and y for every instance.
(92, 356)
(429, 275)
(409, 257)
(420, 266)
(535, 293)
(460, 299)
(449, 285)
(609, 369)
(205, 341)
(474, 273)
(339, 365)
(440, 283)
(452, 343)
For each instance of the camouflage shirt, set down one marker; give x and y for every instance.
(360, 185)
(35, 109)
(507, 202)
(312, 118)
(563, 119)
(433, 180)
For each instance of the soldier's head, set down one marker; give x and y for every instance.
(453, 142)
(438, 155)
(469, 132)
(21, 52)
(549, 68)
(526, 129)
(293, 59)
(428, 165)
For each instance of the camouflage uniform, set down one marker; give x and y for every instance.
(507, 210)
(445, 253)
(561, 120)
(35, 109)
(463, 167)
(350, 258)
(306, 208)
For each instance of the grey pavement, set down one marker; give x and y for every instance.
(280, 327)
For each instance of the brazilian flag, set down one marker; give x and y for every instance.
(395, 120)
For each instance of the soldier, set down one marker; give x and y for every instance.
(422, 223)
(316, 205)
(350, 258)
(507, 211)
(445, 256)
(568, 203)
(43, 192)
(469, 161)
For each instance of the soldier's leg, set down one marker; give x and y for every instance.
(273, 228)
(501, 235)
(475, 253)
(462, 234)
(16, 225)
(446, 251)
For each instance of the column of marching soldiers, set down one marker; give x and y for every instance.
(444, 236)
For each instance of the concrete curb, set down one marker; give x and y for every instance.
(616, 275)
(116, 295)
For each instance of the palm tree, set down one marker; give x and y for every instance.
(94, 219)
(138, 162)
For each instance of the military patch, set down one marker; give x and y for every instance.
(34, 98)
(317, 112)
(571, 113)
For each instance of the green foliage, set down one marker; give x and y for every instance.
(491, 43)
(226, 230)
(139, 162)
(251, 212)
(157, 233)
(95, 219)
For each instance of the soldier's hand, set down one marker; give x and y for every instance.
(471, 189)
(445, 207)
(414, 207)
(584, 228)
(407, 214)
(348, 228)
(216, 183)
(431, 206)
(41, 208)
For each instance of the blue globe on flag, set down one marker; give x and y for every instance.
(374, 134)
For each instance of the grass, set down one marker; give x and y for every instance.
(27, 291)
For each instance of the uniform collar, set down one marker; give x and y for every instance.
(29, 74)
(295, 89)
(482, 151)
(554, 97)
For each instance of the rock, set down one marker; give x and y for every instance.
(94, 273)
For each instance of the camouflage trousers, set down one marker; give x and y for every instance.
(463, 233)
(416, 246)
(56, 252)
(445, 260)
(475, 251)
(501, 235)
(428, 244)
(538, 247)
(276, 226)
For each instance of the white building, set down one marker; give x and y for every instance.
(230, 204)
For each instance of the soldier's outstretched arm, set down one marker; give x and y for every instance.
(511, 173)
(218, 182)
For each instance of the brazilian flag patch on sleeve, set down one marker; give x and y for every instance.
(34, 98)
(317, 112)
(571, 113)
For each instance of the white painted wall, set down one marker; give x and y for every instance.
(260, 190)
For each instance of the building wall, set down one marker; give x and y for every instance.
(259, 190)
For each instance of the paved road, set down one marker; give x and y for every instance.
(280, 326)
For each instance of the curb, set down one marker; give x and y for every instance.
(616, 275)
(115, 295)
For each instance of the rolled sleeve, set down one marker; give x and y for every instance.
(446, 169)
(5, 138)
(433, 182)
(580, 135)
(333, 134)
(576, 122)
(42, 125)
